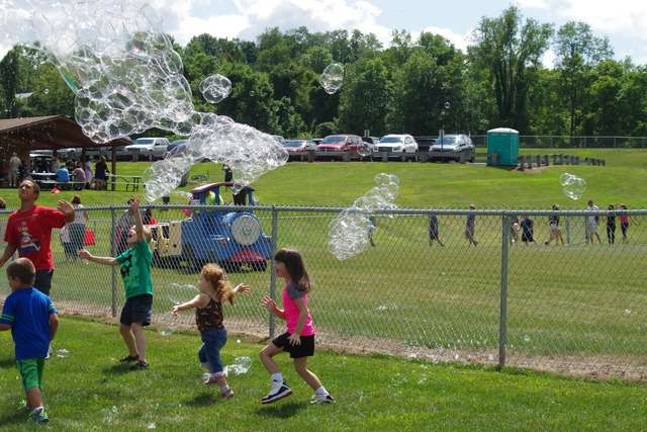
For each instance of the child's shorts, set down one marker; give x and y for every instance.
(31, 372)
(306, 349)
(138, 310)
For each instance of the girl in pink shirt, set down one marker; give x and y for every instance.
(299, 339)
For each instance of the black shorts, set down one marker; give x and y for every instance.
(306, 349)
(43, 281)
(138, 310)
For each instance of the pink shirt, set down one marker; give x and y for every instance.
(291, 293)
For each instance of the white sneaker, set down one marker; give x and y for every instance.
(276, 394)
(317, 399)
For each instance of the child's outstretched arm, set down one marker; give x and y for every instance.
(199, 301)
(4, 327)
(270, 305)
(84, 254)
(241, 289)
(137, 216)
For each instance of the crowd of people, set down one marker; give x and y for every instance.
(68, 174)
(523, 228)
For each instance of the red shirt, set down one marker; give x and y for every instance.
(31, 232)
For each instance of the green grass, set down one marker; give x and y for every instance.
(624, 179)
(562, 301)
(87, 391)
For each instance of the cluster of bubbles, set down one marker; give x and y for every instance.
(248, 152)
(332, 78)
(572, 185)
(240, 366)
(127, 78)
(215, 88)
(349, 232)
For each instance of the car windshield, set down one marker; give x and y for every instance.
(293, 143)
(333, 139)
(447, 139)
(144, 141)
(390, 139)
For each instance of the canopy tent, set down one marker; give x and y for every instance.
(22, 135)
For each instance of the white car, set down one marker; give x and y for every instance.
(397, 144)
(152, 148)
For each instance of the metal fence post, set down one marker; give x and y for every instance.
(113, 252)
(506, 226)
(568, 229)
(275, 231)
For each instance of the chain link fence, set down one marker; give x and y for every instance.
(430, 286)
(566, 141)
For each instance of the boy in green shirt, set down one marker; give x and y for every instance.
(135, 265)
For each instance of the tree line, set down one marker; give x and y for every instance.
(412, 86)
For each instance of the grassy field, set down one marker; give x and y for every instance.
(88, 391)
(624, 179)
(563, 301)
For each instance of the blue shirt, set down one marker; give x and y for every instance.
(62, 175)
(27, 311)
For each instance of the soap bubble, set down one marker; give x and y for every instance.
(332, 78)
(349, 232)
(127, 78)
(240, 366)
(215, 88)
(572, 186)
(62, 353)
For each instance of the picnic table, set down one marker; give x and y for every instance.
(47, 181)
(132, 182)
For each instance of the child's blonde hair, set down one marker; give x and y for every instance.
(217, 278)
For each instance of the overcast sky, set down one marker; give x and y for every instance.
(623, 21)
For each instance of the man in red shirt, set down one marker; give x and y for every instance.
(29, 231)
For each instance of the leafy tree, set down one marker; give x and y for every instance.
(510, 49)
(577, 51)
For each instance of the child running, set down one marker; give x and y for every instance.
(214, 291)
(33, 321)
(135, 265)
(299, 339)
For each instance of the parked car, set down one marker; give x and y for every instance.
(232, 238)
(176, 147)
(341, 143)
(151, 148)
(69, 153)
(397, 144)
(457, 147)
(297, 146)
(371, 143)
(41, 153)
(121, 153)
(317, 141)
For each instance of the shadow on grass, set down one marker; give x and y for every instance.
(283, 410)
(7, 363)
(118, 369)
(18, 416)
(201, 400)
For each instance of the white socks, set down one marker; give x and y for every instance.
(321, 391)
(277, 378)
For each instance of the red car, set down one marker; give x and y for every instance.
(341, 143)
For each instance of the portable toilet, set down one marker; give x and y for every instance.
(502, 147)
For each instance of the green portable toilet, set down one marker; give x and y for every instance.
(502, 147)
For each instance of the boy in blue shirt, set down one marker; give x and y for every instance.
(33, 321)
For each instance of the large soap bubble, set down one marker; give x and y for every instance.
(572, 186)
(215, 88)
(127, 78)
(332, 78)
(349, 232)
